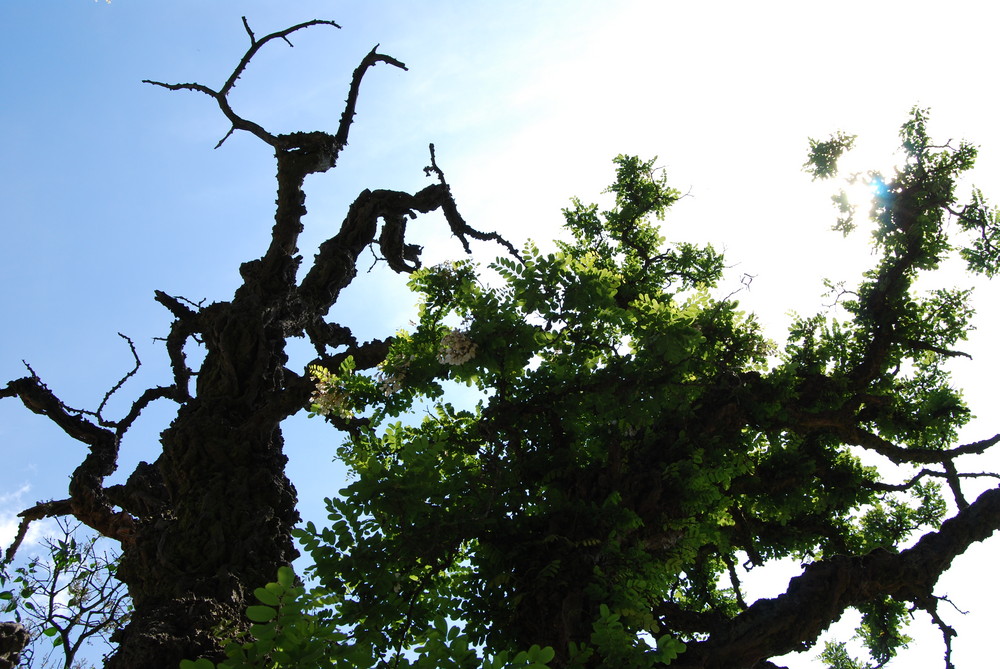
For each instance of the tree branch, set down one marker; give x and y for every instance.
(220, 96)
(817, 598)
(238, 123)
(63, 507)
(347, 117)
(88, 502)
(256, 45)
(121, 382)
(458, 225)
(841, 424)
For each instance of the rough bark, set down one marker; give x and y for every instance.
(210, 520)
(14, 638)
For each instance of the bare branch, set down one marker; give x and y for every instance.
(458, 225)
(63, 507)
(325, 335)
(735, 581)
(221, 96)
(89, 503)
(173, 304)
(229, 133)
(36, 396)
(347, 117)
(899, 487)
(238, 122)
(148, 397)
(185, 326)
(944, 352)
(246, 25)
(183, 87)
(844, 427)
(951, 476)
(121, 382)
(929, 605)
(334, 267)
(256, 45)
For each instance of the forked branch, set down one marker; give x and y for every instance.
(292, 141)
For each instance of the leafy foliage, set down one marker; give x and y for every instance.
(629, 438)
(823, 155)
(68, 598)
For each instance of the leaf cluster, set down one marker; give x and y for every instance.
(67, 596)
(631, 443)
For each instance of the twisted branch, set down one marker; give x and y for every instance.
(221, 96)
(817, 598)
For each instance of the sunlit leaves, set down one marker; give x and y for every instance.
(823, 155)
(836, 656)
(983, 221)
(286, 632)
(635, 437)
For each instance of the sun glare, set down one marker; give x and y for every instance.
(862, 190)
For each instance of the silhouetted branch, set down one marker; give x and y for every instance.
(945, 352)
(174, 305)
(238, 123)
(256, 45)
(117, 386)
(844, 427)
(63, 507)
(36, 396)
(87, 502)
(458, 225)
(220, 96)
(929, 605)
(955, 483)
(347, 117)
(900, 487)
(817, 598)
(148, 397)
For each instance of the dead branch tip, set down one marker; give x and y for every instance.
(246, 26)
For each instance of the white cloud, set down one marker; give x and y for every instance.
(11, 504)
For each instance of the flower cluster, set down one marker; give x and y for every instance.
(329, 397)
(456, 348)
(445, 270)
(391, 375)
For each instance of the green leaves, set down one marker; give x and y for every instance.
(261, 614)
(286, 631)
(632, 440)
(823, 156)
(982, 221)
(589, 355)
(197, 664)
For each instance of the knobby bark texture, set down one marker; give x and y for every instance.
(210, 520)
(14, 638)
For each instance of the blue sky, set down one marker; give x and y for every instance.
(110, 189)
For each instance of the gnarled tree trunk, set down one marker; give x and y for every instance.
(210, 520)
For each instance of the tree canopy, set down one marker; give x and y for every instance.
(630, 445)
(638, 444)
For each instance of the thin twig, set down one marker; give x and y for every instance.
(121, 382)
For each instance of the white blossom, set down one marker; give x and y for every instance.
(390, 376)
(329, 397)
(456, 348)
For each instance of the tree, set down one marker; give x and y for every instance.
(69, 598)
(638, 441)
(211, 518)
(638, 445)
